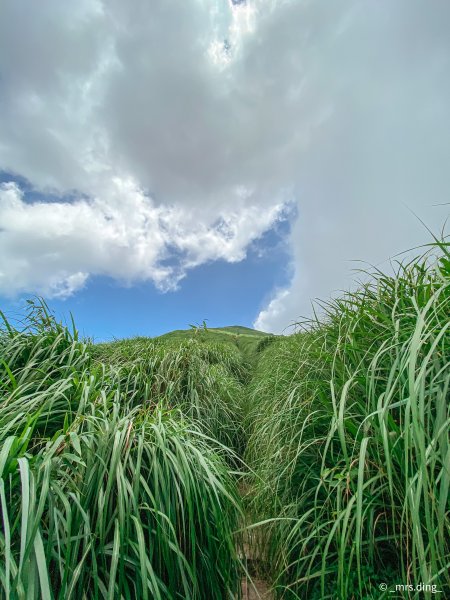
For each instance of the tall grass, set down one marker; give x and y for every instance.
(42, 364)
(204, 380)
(106, 491)
(117, 461)
(350, 441)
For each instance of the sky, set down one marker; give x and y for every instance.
(167, 162)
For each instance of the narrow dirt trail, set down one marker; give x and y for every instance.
(254, 586)
(262, 590)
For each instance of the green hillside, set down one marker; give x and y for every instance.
(247, 340)
(149, 467)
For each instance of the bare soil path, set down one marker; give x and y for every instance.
(255, 590)
(254, 586)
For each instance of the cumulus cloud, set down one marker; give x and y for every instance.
(52, 248)
(123, 107)
(184, 130)
(379, 76)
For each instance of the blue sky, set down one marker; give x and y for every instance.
(167, 162)
(219, 292)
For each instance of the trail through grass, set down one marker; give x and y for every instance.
(144, 468)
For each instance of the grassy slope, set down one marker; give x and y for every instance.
(331, 421)
(349, 441)
(109, 487)
(228, 330)
(245, 339)
(108, 452)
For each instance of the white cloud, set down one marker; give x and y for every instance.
(177, 159)
(376, 86)
(52, 247)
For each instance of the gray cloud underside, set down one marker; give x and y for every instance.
(342, 108)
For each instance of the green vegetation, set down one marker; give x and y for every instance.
(246, 340)
(107, 489)
(120, 463)
(349, 441)
(204, 380)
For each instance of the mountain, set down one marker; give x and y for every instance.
(245, 338)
